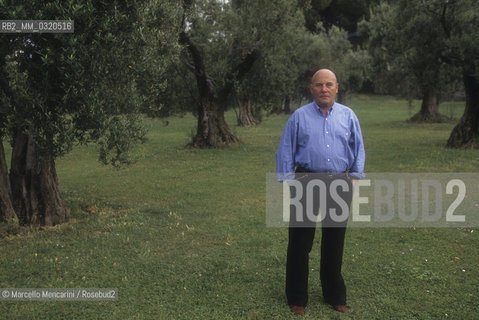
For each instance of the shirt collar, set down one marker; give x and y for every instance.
(330, 110)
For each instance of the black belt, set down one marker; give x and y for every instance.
(326, 174)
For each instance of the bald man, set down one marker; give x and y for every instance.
(322, 140)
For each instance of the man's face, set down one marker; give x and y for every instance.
(324, 88)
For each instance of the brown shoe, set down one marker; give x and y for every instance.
(297, 310)
(341, 308)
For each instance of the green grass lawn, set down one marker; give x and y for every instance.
(182, 232)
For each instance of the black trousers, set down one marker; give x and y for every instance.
(301, 236)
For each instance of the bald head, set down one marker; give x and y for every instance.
(323, 73)
(324, 88)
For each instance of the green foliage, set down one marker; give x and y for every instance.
(274, 73)
(113, 146)
(337, 54)
(226, 33)
(157, 57)
(330, 49)
(460, 22)
(340, 13)
(73, 88)
(422, 45)
(383, 32)
(291, 54)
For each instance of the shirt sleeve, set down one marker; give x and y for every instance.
(287, 150)
(356, 144)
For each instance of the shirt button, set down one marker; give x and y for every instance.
(327, 145)
(328, 160)
(326, 131)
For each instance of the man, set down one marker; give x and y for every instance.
(321, 137)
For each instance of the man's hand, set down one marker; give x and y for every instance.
(354, 182)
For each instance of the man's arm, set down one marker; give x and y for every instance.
(356, 170)
(286, 151)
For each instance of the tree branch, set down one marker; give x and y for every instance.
(241, 69)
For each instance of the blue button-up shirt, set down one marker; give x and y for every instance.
(330, 143)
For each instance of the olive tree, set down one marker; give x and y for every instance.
(66, 89)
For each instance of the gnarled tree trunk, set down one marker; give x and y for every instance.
(246, 117)
(429, 111)
(6, 208)
(466, 132)
(212, 128)
(36, 196)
